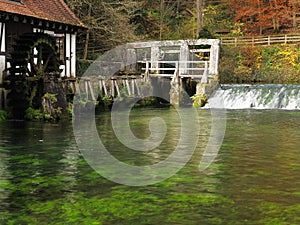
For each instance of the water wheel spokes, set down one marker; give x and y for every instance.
(37, 54)
(44, 61)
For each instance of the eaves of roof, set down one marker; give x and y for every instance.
(49, 10)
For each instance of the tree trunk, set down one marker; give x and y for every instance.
(87, 36)
(200, 6)
(259, 14)
(294, 12)
(276, 18)
(161, 18)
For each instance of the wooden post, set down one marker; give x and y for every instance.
(117, 87)
(127, 86)
(154, 56)
(204, 79)
(132, 86)
(112, 89)
(175, 88)
(214, 58)
(184, 57)
(100, 86)
(86, 88)
(91, 90)
(285, 39)
(137, 87)
(104, 87)
(146, 76)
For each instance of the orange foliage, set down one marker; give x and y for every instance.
(261, 16)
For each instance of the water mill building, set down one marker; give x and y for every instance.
(36, 37)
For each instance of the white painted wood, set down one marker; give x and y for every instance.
(2, 67)
(63, 70)
(173, 43)
(154, 56)
(2, 59)
(199, 50)
(184, 56)
(50, 32)
(3, 41)
(185, 53)
(67, 55)
(214, 60)
(73, 55)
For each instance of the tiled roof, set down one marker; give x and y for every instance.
(52, 10)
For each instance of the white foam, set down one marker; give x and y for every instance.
(268, 96)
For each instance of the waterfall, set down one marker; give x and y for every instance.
(263, 96)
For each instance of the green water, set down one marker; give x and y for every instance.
(254, 180)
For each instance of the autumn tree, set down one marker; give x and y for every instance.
(295, 8)
(265, 15)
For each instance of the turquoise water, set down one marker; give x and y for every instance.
(254, 180)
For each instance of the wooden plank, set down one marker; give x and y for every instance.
(195, 69)
(191, 76)
(161, 75)
(171, 51)
(161, 68)
(199, 50)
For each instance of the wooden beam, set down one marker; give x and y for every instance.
(23, 19)
(16, 18)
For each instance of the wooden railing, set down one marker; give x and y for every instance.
(261, 40)
(191, 69)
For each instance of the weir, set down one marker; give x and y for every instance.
(263, 96)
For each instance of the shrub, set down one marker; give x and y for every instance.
(251, 64)
(199, 100)
(3, 115)
(33, 114)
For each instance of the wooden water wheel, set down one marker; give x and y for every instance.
(35, 56)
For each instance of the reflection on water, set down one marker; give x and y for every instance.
(254, 180)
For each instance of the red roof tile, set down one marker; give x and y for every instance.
(52, 10)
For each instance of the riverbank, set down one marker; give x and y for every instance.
(276, 64)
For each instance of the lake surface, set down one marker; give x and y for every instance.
(255, 178)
